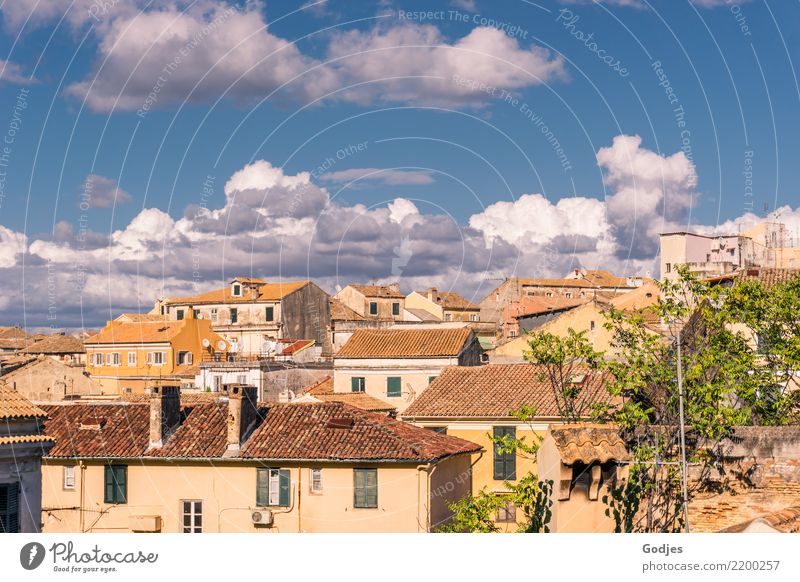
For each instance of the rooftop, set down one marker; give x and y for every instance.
(587, 443)
(56, 344)
(323, 391)
(341, 312)
(120, 332)
(491, 391)
(285, 432)
(379, 291)
(406, 343)
(448, 299)
(15, 405)
(767, 276)
(262, 292)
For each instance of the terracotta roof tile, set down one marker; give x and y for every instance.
(381, 291)
(119, 332)
(323, 391)
(768, 277)
(406, 343)
(341, 312)
(136, 317)
(786, 520)
(56, 344)
(265, 292)
(448, 299)
(12, 332)
(490, 391)
(15, 405)
(299, 431)
(23, 439)
(587, 443)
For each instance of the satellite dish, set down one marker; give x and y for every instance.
(221, 345)
(206, 342)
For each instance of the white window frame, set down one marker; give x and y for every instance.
(214, 315)
(153, 356)
(195, 509)
(113, 359)
(315, 481)
(69, 477)
(188, 357)
(97, 359)
(131, 360)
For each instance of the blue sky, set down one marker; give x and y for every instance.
(486, 139)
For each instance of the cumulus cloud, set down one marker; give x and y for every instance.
(153, 55)
(101, 192)
(12, 244)
(391, 177)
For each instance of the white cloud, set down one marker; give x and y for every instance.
(391, 177)
(12, 244)
(12, 73)
(101, 192)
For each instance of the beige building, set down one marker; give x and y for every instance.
(233, 465)
(130, 357)
(396, 365)
(444, 305)
(587, 318)
(250, 314)
(45, 380)
(59, 346)
(477, 404)
(374, 302)
(22, 445)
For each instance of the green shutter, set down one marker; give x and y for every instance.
(395, 309)
(393, 387)
(365, 488)
(196, 313)
(372, 488)
(108, 475)
(373, 308)
(284, 478)
(262, 487)
(270, 313)
(122, 484)
(234, 315)
(505, 463)
(358, 488)
(357, 384)
(180, 314)
(116, 484)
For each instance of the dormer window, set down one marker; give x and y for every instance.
(236, 290)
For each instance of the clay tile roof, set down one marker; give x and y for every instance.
(490, 391)
(12, 332)
(284, 432)
(769, 277)
(56, 344)
(297, 346)
(265, 292)
(119, 332)
(383, 291)
(587, 443)
(304, 431)
(23, 439)
(786, 520)
(98, 430)
(323, 391)
(341, 312)
(136, 317)
(448, 299)
(250, 280)
(15, 405)
(405, 343)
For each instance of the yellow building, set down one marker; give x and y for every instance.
(234, 465)
(588, 318)
(476, 404)
(126, 357)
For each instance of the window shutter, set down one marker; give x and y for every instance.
(121, 476)
(354, 384)
(270, 313)
(359, 498)
(149, 358)
(285, 481)
(9, 508)
(262, 487)
(372, 488)
(393, 387)
(109, 484)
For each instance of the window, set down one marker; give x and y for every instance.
(507, 513)
(568, 295)
(237, 290)
(669, 267)
(213, 315)
(69, 477)
(316, 480)
(179, 314)
(234, 315)
(548, 294)
(196, 313)
(192, 516)
(512, 333)
(373, 308)
(438, 429)
(393, 387)
(591, 325)
(272, 487)
(365, 488)
(431, 379)
(448, 316)
(9, 508)
(217, 383)
(241, 379)
(474, 317)
(131, 358)
(270, 313)
(156, 358)
(358, 384)
(96, 359)
(395, 309)
(184, 358)
(116, 484)
(505, 463)
(112, 359)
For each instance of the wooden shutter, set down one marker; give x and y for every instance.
(505, 463)
(372, 487)
(365, 487)
(270, 313)
(108, 475)
(9, 508)
(393, 387)
(285, 481)
(262, 487)
(121, 476)
(359, 497)
(355, 384)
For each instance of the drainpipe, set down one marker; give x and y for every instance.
(299, 499)
(83, 494)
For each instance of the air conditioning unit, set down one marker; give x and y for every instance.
(262, 517)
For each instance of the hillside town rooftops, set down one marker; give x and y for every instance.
(56, 344)
(119, 332)
(257, 292)
(406, 343)
(14, 405)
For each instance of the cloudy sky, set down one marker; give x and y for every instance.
(161, 147)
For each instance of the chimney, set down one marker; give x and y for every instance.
(165, 413)
(394, 287)
(432, 294)
(242, 414)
